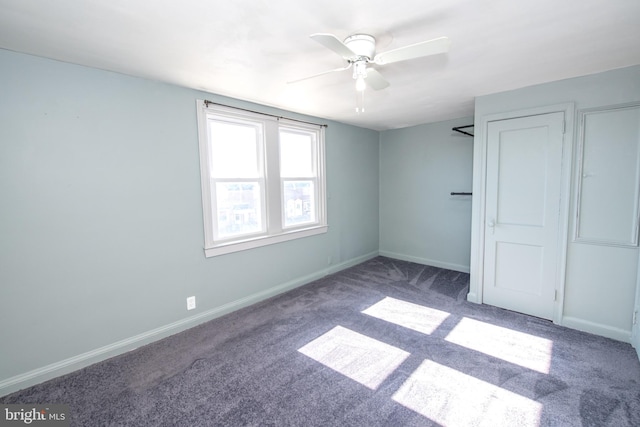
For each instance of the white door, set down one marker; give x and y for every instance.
(522, 224)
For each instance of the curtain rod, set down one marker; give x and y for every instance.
(206, 103)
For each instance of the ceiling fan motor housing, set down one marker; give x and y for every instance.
(363, 45)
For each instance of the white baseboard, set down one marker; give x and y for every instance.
(596, 328)
(426, 261)
(80, 361)
(473, 297)
(350, 263)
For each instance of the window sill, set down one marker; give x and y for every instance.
(226, 248)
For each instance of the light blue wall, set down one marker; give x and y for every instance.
(419, 219)
(600, 281)
(101, 234)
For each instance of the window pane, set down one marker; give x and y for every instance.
(296, 158)
(239, 208)
(299, 202)
(234, 150)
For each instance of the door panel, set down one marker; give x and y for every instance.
(609, 178)
(520, 180)
(528, 258)
(524, 161)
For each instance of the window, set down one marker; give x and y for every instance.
(262, 179)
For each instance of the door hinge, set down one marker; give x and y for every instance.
(555, 295)
(635, 317)
(564, 127)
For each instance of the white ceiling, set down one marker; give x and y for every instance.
(250, 49)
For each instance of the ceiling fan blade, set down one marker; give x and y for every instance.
(416, 50)
(375, 79)
(320, 74)
(333, 43)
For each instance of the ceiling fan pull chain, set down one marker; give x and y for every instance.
(360, 102)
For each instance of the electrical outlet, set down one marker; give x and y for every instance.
(191, 303)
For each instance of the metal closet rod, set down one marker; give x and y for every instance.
(457, 129)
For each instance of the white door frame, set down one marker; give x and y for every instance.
(635, 325)
(476, 269)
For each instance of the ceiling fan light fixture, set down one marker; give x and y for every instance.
(359, 74)
(360, 69)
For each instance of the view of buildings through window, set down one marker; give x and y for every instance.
(239, 208)
(262, 177)
(299, 202)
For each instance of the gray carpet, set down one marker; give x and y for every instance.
(386, 342)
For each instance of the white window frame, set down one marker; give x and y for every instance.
(301, 128)
(273, 205)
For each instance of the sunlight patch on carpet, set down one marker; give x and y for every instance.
(452, 398)
(412, 316)
(526, 350)
(359, 357)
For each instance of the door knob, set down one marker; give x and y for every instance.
(491, 224)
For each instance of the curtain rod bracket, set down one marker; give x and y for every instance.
(458, 129)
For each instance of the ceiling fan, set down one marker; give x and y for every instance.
(359, 50)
